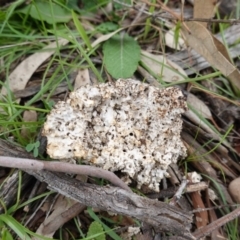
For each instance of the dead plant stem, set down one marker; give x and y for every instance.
(32, 164)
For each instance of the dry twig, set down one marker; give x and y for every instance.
(37, 165)
(216, 224)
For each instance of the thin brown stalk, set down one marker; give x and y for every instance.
(204, 231)
(54, 166)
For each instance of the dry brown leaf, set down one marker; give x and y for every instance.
(28, 116)
(203, 42)
(222, 49)
(105, 37)
(165, 68)
(204, 9)
(82, 78)
(198, 122)
(22, 73)
(199, 106)
(57, 218)
(149, 78)
(130, 233)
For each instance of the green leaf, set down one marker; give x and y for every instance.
(2, 15)
(37, 144)
(121, 56)
(33, 147)
(107, 27)
(96, 231)
(47, 11)
(86, 5)
(73, 5)
(30, 147)
(6, 235)
(35, 152)
(107, 229)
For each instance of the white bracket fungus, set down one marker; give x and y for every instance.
(127, 126)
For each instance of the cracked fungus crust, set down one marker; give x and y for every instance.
(127, 126)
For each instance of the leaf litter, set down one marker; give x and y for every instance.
(213, 145)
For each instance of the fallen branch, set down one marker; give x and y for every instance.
(158, 214)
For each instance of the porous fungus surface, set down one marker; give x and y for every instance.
(127, 126)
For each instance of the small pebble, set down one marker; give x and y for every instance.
(234, 189)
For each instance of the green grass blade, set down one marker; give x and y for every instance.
(15, 226)
(108, 230)
(81, 30)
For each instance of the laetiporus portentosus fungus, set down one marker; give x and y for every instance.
(127, 126)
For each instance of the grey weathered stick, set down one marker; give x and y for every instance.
(37, 165)
(158, 214)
